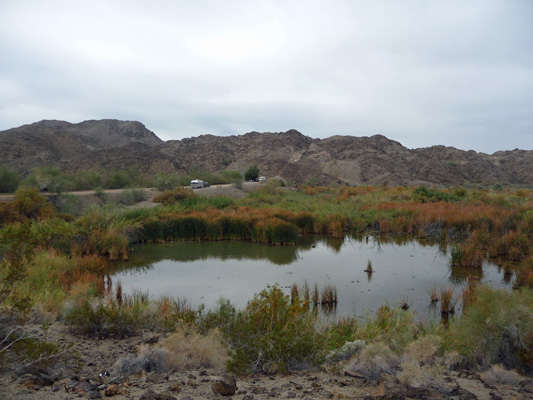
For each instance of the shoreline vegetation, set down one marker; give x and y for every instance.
(55, 258)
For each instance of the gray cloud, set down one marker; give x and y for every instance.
(422, 73)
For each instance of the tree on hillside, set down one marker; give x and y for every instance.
(252, 174)
(9, 179)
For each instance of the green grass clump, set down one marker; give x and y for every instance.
(497, 328)
(104, 317)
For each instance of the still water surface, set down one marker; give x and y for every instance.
(202, 272)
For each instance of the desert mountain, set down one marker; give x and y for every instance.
(290, 155)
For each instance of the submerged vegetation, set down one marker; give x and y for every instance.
(60, 263)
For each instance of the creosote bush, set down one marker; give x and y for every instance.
(272, 334)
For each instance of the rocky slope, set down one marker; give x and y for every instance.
(87, 370)
(291, 155)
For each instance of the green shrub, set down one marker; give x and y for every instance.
(252, 174)
(29, 203)
(129, 197)
(496, 329)
(272, 334)
(9, 179)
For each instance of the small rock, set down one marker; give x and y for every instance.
(394, 391)
(225, 385)
(151, 340)
(94, 394)
(463, 394)
(175, 387)
(151, 395)
(495, 396)
(113, 390)
(352, 373)
(259, 390)
(154, 377)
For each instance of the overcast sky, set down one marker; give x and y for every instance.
(457, 73)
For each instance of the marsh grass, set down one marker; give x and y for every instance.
(272, 227)
(447, 302)
(329, 295)
(434, 297)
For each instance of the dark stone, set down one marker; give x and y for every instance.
(259, 390)
(394, 391)
(225, 385)
(151, 395)
(463, 394)
(495, 396)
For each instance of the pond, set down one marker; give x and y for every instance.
(403, 271)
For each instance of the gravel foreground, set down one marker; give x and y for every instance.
(86, 371)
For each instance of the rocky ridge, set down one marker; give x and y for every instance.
(297, 158)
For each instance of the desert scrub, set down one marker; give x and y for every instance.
(170, 197)
(421, 365)
(131, 196)
(104, 317)
(185, 349)
(496, 329)
(272, 334)
(374, 360)
(393, 326)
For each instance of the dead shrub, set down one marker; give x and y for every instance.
(420, 366)
(185, 349)
(497, 374)
(374, 360)
(188, 349)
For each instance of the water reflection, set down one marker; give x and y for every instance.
(459, 275)
(402, 269)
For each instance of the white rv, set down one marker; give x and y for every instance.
(197, 184)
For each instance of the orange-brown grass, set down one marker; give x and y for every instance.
(329, 295)
(295, 295)
(88, 268)
(471, 255)
(524, 274)
(463, 216)
(447, 305)
(336, 225)
(433, 295)
(170, 197)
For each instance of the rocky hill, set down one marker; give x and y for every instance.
(290, 155)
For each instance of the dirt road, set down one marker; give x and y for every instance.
(215, 190)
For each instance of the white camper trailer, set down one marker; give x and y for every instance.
(197, 184)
